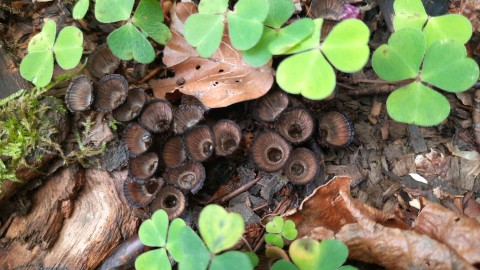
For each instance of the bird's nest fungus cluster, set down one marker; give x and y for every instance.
(168, 144)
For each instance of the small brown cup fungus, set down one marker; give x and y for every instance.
(271, 106)
(102, 62)
(301, 166)
(79, 96)
(157, 116)
(336, 129)
(143, 166)
(170, 199)
(136, 139)
(186, 117)
(188, 176)
(132, 106)
(174, 152)
(110, 92)
(140, 194)
(295, 125)
(270, 151)
(199, 142)
(227, 137)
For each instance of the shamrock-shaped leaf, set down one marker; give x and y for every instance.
(149, 17)
(291, 35)
(289, 231)
(232, 260)
(275, 225)
(108, 11)
(213, 6)
(274, 239)
(446, 66)
(68, 47)
(37, 67)
(279, 12)
(44, 40)
(451, 26)
(80, 9)
(219, 229)
(306, 73)
(204, 31)
(311, 42)
(154, 259)
(252, 257)
(402, 57)
(127, 43)
(283, 265)
(259, 55)
(195, 254)
(346, 45)
(245, 23)
(153, 232)
(409, 13)
(309, 254)
(174, 240)
(417, 104)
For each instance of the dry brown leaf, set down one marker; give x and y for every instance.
(218, 81)
(332, 207)
(398, 249)
(458, 232)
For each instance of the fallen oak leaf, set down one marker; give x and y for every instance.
(394, 248)
(218, 81)
(458, 232)
(332, 207)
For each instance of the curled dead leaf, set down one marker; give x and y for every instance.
(398, 249)
(458, 232)
(332, 207)
(218, 81)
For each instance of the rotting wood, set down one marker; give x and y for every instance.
(10, 79)
(58, 231)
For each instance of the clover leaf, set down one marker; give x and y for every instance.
(279, 12)
(283, 265)
(127, 43)
(277, 229)
(204, 31)
(213, 7)
(108, 11)
(234, 260)
(309, 254)
(291, 35)
(149, 18)
(80, 9)
(409, 13)
(37, 66)
(445, 65)
(245, 23)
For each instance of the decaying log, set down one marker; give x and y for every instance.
(10, 79)
(76, 219)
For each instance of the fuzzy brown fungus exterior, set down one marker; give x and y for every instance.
(269, 107)
(227, 137)
(188, 176)
(335, 129)
(174, 152)
(110, 92)
(140, 194)
(132, 106)
(186, 117)
(295, 125)
(143, 166)
(269, 151)
(157, 116)
(102, 62)
(79, 95)
(136, 139)
(170, 199)
(199, 143)
(301, 167)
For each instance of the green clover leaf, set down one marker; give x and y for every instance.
(44, 40)
(288, 37)
(274, 239)
(204, 31)
(127, 43)
(108, 11)
(174, 239)
(80, 9)
(346, 46)
(37, 67)
(154, 259)
(289, 230)
(311, 42)
(245, 23)
(451, 26)
(153, 232)
(213, 6)
(275, 225)
(259, 55)
(68, 48)
(219, 229)
(195, 254)
(309, 254)
(409, 13)
(149, 17)
(232, 260)
(283, 265)
(279, 12)
(401, 58)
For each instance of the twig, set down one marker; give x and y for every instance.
(246, 243)
(241, 189)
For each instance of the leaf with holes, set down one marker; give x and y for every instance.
(128, 43)
(417, 104)
(346, 46)
(108, 11)
(206, 41)
(401, 58)
(149, 18)
(219, 229)
(245, 23)
(409, 13)
(307, 73)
